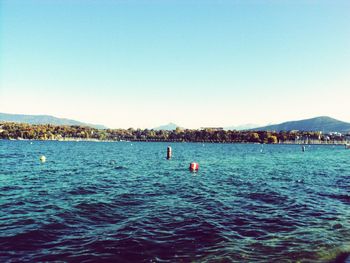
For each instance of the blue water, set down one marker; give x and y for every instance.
(124, 202)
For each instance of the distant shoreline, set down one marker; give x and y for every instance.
(22, 131)
(169, 141)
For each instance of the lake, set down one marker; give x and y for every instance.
(124, 202)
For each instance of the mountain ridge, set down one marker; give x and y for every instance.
(324, 124)
(45, 119)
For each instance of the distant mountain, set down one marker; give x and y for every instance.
(44, 119)
(168, 127)
(242, 127)
(323, 123)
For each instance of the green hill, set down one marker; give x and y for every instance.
(323, 123)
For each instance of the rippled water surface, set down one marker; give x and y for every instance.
(124, 202)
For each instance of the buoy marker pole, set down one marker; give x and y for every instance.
(169, 153)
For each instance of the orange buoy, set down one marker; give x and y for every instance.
(194, 167)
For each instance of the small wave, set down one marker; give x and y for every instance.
(268, 197)
(30, 240)
(9, 188)
(120, 168)
(82, 191)
(341, 197)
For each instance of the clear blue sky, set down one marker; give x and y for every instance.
(195, 63)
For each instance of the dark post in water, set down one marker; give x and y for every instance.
(168, 155)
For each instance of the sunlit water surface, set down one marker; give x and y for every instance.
(124, 202)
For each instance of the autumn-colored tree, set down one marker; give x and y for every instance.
(272, 139)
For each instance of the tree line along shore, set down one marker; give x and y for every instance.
(22, 131)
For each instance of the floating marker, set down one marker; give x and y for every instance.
(168, 153)
(194, 167)
(42, 158)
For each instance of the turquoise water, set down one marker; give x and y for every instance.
(124, 202)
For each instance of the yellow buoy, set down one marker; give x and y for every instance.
(42, 158)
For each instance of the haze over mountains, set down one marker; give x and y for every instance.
(172, 126)
(242, 127)
(324, 123)
(44, 119)
(167, 127)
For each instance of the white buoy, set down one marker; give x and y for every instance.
(42, 158)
